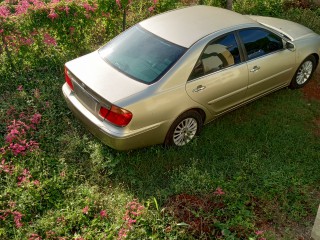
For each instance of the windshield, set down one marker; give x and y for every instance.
(141, 55)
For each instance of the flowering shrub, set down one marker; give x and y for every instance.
(17, 216)
(42, 33)
(133, 212)
(17, 143)
(36, 27)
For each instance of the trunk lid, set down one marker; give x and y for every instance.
(101, 80)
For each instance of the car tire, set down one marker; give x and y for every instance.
(184, 129)
(304, 73)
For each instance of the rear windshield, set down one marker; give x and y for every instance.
(141, 55)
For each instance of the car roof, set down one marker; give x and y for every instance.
(185, 26)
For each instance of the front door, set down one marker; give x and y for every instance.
(270, 65)
(220, 78)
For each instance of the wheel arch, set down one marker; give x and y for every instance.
(197, 110)
(201, 112)
(316, 56)
(294, 84)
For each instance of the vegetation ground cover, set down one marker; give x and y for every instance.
(252, 174)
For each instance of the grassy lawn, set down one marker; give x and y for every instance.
(264, 156)
(251, 174)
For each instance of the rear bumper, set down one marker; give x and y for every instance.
(112, 136)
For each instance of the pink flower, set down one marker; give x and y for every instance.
(219, 191)
(12, 135)
(36, 182)
(131, 222)
(37, 4)
(53, 15)
(134, 209)
(118, 3)
(27, 41)
(34, 33)
(20, 88)
(107, 15)
(47, 39)
(103, 214)
(5, 214)
(1, 30)
(259, 232)
(24, 177)
(85, 210)
(36, 118)
(88, 7)
(151, 9)
(8, 168)
(122, 233)
(155, 1)
(17, 148)
(34, 236)
(55, 1)
(22, 7)
(10, 138)
(4, 12)
(50, 235)
(72, 30)
(67, 9)
(17, 216)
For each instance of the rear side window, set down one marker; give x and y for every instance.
(141, 55)
(259, 42)
(220, 53)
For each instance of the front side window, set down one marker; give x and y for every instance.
(220, 53)
(259, 42)
(141, 55)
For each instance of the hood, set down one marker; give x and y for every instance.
(291, 29)
(103, 79)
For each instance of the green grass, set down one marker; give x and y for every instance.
(264, 156)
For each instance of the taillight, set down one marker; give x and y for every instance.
(68, 79)
(116, 115)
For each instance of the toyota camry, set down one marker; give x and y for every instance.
(161, 80)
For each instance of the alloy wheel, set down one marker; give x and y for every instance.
(185, 131)
(304, 72)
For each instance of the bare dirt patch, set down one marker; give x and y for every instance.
(195, 211)
(312, 89)
(312, 92)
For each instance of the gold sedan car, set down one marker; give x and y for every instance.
(160, 81)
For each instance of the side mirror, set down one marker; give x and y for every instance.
(290, 46)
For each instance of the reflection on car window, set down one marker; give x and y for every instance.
(141, 55)
(259, 42)
(221, 53)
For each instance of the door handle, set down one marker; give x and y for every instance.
(255, 69)
(199, 88)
